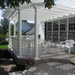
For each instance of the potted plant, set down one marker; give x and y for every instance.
(28, 63)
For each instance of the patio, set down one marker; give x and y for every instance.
(49, 68)
(52, 53)
(56, 53)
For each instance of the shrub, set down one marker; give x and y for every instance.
(3, 42)
(4, 53)
(2, 37)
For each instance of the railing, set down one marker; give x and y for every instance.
(27, 47)
(14, 43)
(10, 42)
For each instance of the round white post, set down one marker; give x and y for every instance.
(19, 31)
(14, 29)
(9, 32)
(36, 34)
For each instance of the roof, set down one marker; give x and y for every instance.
(31, 24)
(62, 9)
(31, 31)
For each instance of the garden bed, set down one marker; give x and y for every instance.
(7, 64)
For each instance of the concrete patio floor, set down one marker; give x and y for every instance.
(56, 63)
(49, 68)
(52, 54)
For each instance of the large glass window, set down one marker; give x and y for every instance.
(55, 31)
(48, 30)
(63, 35)
(63, 24)
(55, 37)
(71, 24)
(63, 29)
(49, 35)
(72, 28)
(49, 26)
(55, 26)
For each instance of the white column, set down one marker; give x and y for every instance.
(58, 31)
(9, 32)
(67, 27)
(52, 32)
(36, 35)
(14, 29)
(19, 31)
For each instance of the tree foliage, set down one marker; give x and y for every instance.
(2, 37)
(12, 29)
(1, 30)
(49, 3)
(4, 24)
(16, 3)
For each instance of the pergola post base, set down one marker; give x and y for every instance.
(36, 58)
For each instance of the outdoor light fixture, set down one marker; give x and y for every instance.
(37, 1)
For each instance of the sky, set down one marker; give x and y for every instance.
(1, 14)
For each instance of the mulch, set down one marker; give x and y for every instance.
(7, 64)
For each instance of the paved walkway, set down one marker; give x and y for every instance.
(53, 53)
(50, 68)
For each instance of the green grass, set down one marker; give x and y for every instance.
(3, 46)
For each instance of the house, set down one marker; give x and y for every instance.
(25, 26)
(28, 29)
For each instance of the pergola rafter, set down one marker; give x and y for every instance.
(27, 12)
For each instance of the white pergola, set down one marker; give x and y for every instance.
(38, 13)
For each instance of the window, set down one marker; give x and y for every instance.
(55, 26)
(71, 24)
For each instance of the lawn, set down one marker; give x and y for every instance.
(3, 46)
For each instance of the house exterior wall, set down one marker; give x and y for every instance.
(41, 30)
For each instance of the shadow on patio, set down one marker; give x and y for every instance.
(53, 54)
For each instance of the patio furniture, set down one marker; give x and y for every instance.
(72, 54)
(53, 44)
(68, 45)
(43, 44)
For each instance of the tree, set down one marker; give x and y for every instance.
(4, 23)
(16, 3)
(25, 21)
(12, 29)
(1, 30)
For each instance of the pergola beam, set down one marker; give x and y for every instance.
(44, 13)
